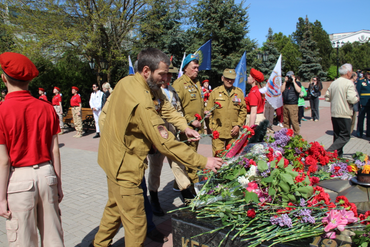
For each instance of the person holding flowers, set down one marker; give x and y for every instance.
(228, 118)
(255, 103)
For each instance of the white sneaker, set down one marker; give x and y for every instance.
(280, 125)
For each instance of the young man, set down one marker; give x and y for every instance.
(76, 111)
(95, 104)
(126, 139)
(290, 90)
(30, 167)
(228, 119)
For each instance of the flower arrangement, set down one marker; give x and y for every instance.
(268, 191)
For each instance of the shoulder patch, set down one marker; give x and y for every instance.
(162, 131)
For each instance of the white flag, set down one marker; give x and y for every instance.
(273, 87)
(180, 70)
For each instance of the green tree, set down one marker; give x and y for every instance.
(323, 43)
(310, 57)
(300, 30)
(161, 28)
(291, 56)
(280, 41)
(266, 67)
(91, 29)
(226, 24)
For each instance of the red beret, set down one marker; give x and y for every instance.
(18, 66)
(257, 75)
(75, 88)
(205, 81)
(57, 88)
(41, 89)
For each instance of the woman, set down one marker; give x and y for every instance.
(314, 90)
(254, 102)
(107, 91)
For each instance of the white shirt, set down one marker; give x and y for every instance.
(95, 100)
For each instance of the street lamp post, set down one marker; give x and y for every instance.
(103, 65)
(263, 56)
(337, 45)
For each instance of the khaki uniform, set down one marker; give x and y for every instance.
(126, 139)
(191, 97)
(156, 160)
(77, 120)
(233, 112)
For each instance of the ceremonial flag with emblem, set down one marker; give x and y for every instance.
(241, 74)
(204, 53)
(273, 87)
(180, 70)
(130, 67)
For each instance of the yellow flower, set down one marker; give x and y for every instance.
(366, 169)
(354, 167)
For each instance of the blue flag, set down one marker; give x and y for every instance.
(130, 67)
(241, 74)
(204, 53)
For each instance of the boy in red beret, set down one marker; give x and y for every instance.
(42, 94)
(57, 104)
(255, 103)
(76, 111)
(30, 166)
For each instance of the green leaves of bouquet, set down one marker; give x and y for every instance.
(283, 184)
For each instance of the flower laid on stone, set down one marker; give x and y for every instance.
(268, 191)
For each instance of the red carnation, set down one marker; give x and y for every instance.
(219, 104)
(299, 179)
(349, 169)
(251, 213)
(252, 162)
(314, 180)
(312, 168)
(228, 146)
(198, 117)
(215, 135)
(290, 132)
(286, 163)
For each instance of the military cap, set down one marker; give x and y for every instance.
(229, 73)
(205, 81)
(18, 66)
(173, 69)
(57, 88)
(41, 89)
(188, 59)
(257, 75)
(75, 88)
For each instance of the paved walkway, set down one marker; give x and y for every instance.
(85, 188)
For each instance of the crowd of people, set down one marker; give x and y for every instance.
(154, 119)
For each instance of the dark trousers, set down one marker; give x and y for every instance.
(300, 113)
(361, 117)
(341, 129)
(314, 103)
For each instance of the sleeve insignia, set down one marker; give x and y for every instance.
(163, 131)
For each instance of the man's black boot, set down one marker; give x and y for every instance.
(154, 201)
(186, 195)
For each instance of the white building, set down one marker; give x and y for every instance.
(361, 36)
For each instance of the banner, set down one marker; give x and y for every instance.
(241, 74)
(273, 87)
(130, 67)
(180, 70)
(204, 53)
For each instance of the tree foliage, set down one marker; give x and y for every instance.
(91, 29)
(226, 24)
(310, 57)
(161, 28)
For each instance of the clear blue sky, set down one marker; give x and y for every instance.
(282, 16)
